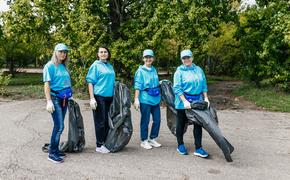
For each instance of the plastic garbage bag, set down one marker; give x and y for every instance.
(199, 114)
(207, 118)
(76, 134)
(120, 123)
(167, 97)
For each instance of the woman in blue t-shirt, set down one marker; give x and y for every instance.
(57, 88)
(147, 98)
(189, 84)
(101, 81)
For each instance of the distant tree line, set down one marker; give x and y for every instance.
(252, 44)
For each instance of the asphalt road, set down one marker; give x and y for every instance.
(261, 140)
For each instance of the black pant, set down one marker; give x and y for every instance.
(180, 124)
(101, 118)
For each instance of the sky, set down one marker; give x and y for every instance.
(250, 2)
(4, 6)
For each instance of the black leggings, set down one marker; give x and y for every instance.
(101, 118)
(180, 124)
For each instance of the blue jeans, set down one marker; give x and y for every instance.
(146, 110)
(58, 123)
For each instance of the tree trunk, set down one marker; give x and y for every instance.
(11, 66)
(115, 17)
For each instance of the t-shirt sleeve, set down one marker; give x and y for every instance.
(92, 74)
(47, 73)
(138, 81)
(177, 87)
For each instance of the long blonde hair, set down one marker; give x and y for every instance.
(56, 61)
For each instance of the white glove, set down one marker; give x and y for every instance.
(50, 106)
(206, 100)
(137, 104)
(186, 104)
(93, 104)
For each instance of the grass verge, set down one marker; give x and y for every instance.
(26, 79)
(265, 97)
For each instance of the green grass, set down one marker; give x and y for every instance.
(22, 92)
(265, 97)
(26, 79)
(24, 86)
(30, 86)
(213, 79)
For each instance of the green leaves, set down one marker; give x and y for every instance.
(265, 43)
(254, 43)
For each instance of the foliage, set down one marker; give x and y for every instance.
(253, 43)
(224, 51)
(24, 39)
(4, 81)
(265, 42)
(167, 28)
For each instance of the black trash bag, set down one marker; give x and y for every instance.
(167, 97)
(120, 122)
(207, 118)
(45, 147)
(76, 134)
(200, 114)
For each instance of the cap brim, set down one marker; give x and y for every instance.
(185, 56)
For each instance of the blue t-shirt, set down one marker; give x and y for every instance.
(102, 76)
(190, 80)
(58, 76)
(146, 78)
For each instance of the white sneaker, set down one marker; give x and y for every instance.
(154, 143)
(145, 144)
(102, 149)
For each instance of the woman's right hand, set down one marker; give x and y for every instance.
(93, 104)
(136, 104)
(49, 106)
(186, 104)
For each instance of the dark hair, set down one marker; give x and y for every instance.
(109, 53)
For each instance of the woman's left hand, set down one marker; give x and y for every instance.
(206, 100)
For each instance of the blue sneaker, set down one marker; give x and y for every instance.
(181, 149)
(201, 153)
(54, 158)
(61, 154)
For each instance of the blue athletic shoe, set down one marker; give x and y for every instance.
(182, 150)
(61, 154)
(201, 153)
(55, 158)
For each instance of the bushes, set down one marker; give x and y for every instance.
(265, 43)
(4, 81)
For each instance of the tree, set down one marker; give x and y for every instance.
(225, 56)
(265, 41)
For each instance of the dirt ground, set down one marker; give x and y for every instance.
(220, 95)
(261, 140)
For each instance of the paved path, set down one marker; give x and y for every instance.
(261, 141)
